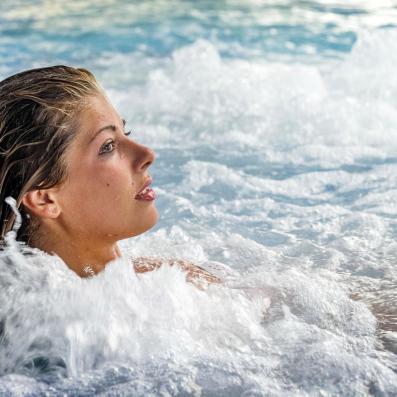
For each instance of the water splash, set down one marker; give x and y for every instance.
(280, 168)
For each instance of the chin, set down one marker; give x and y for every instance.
(147, 223)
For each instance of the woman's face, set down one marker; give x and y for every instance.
(104, 196)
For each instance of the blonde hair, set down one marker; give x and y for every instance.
(38, 120)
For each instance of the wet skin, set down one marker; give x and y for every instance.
(82, 219)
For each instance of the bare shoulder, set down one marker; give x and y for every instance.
(145, 264)
(194, 274)
(380, 298)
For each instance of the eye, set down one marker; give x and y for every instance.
(127, 133)
(107, 147)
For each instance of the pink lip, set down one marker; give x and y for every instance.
(146, 193)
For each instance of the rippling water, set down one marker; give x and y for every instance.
(275, 129)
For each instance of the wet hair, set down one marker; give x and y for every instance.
(39, 110)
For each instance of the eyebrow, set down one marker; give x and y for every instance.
(108, 127)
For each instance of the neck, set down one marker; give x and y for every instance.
(82, 256)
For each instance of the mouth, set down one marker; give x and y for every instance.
(146, 193)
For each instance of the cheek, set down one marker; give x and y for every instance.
(97, 187)
(115, 178)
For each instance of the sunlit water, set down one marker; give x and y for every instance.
(275, 126)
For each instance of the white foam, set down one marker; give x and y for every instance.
(348, 110)
(117, 318)
(280, 176)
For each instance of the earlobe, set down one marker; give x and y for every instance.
(41, 203)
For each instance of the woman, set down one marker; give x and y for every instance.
(79, 182)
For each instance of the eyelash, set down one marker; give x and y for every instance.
(110, 142)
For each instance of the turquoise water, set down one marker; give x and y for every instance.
(274, 125)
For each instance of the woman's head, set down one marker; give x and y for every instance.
(68, 180)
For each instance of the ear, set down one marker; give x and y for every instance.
(42, 203)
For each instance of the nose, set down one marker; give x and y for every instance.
(143, 157)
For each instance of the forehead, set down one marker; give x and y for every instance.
(97, 110)
(96, 113)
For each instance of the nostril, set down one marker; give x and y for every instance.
(148, 157)
(147, 164)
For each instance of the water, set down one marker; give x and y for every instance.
(274, 126)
